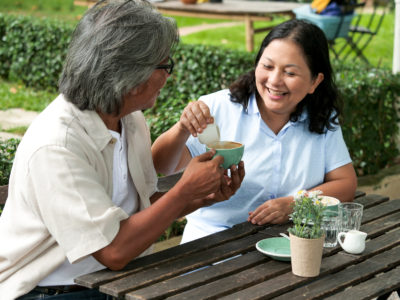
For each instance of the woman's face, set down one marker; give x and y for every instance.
(283, 78)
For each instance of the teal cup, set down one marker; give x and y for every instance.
(331, 203)
(231, 151)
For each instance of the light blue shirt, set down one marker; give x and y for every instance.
(276, 165)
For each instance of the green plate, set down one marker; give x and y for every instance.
(277, 248)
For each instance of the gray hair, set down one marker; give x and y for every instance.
(114, 48)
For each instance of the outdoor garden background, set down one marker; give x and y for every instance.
(34, 35)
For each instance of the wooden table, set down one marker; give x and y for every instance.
(252, 275)
(247, 11)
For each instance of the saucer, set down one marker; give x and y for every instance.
(277, 248)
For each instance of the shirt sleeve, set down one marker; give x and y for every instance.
(71, 201)
(336, 152)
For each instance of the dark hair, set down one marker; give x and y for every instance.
(324, 105)
(114, 48)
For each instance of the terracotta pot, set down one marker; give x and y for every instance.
(307, 256)
(189, 1)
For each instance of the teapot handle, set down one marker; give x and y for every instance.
(339, 237)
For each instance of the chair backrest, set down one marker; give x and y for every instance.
(371, 18)
(3, 194)
(364, 26)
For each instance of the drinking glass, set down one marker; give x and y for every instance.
(330, 224)
(350, 215)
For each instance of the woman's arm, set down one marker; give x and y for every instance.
(340, 183)
(169, 152)
(170, 155)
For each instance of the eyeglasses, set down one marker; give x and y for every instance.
(169, 67)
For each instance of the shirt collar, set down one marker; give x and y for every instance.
(252, 108)
(92, 124)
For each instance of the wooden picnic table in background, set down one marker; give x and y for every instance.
(246, 11)
(249, 274)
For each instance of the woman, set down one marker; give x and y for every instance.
(83, 184)
(285, 112)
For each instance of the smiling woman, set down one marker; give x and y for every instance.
(284, 112)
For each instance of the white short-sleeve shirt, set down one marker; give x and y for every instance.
(276, 165)
(60, 193)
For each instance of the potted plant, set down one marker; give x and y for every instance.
(306, 235)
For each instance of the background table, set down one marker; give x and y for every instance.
(247, 11)
(249, 274)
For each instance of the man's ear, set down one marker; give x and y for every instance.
(134, 91)
(138, 90)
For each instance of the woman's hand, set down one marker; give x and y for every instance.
(195, 117)
(274, 211)
(229, 185)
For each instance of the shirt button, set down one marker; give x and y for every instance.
(113, 141)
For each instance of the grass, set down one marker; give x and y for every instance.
(230, 37)
(20, 130)
(379, 51)
(14, 95)
(65, 10)
(57, 9)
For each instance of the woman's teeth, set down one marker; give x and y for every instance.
(276, 93)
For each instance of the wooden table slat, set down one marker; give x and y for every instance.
(387, 282)
(359, 194)
(244, 273)
(241, 8)
(150, 261)
(380, 211)
(234, 282)
(345, 278)
(382, 225)
(371, 200)
(330, 265)
(181, 283)
(182, 265)
(274, 287)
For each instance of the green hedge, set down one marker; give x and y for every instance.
(32, 52)
(7, 152)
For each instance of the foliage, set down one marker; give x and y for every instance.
(370, 118)
(307, 215)
(379, 52)
(175, 229)
(56, 9)
(7, 153)
(32, 52)
(199, 70)
(16, 95)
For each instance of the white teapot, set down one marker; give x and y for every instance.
(354, 241)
